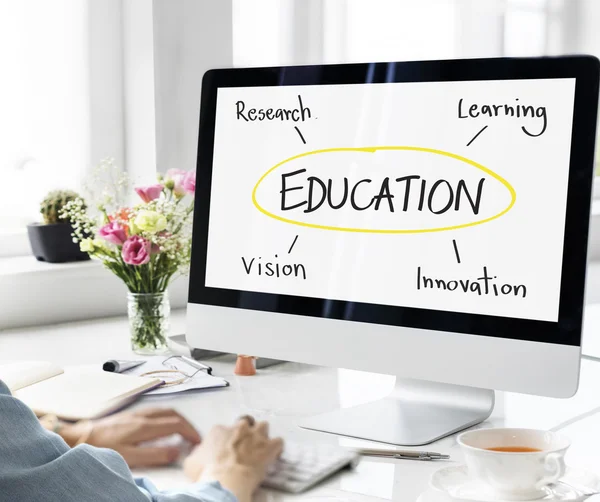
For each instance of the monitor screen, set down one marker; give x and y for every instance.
(423, 199)
(437, 195)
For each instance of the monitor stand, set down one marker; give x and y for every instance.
(415, 413)
(178, 344)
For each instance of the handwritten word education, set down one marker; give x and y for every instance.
(436, 196)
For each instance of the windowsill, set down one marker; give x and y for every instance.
(28, 264)
(15, 242)
(38, 293)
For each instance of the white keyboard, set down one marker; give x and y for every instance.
(301, 466)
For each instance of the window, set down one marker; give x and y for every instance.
(44, 104)
(61, 103)
(391, 30)
(262, 36)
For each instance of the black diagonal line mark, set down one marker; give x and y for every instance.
(456, 249)
(300, 134)
(292, 246)
(475, 137)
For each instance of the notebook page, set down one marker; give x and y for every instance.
(82, 393)
(17, 375)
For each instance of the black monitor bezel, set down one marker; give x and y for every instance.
(567, 331)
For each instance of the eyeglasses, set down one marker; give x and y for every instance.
(174, 365)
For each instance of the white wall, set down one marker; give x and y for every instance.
(190, 37)
(105, 42)
(167, 47)
(138, 89)
(579, 27)
(471, 17)
(263, 32)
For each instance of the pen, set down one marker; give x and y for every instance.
(115, 366)
(403, 454)
(197, 364)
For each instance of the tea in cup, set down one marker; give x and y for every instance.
(514, 464)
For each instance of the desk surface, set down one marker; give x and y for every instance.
(284, 394)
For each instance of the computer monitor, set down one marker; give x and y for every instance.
(422, 219)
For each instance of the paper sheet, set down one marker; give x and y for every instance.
(200, 380)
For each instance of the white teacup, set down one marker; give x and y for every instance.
(515, 475)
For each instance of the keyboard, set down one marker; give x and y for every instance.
(302, 466)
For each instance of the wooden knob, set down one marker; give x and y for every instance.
(244, 366)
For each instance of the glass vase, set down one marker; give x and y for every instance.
(149, 322)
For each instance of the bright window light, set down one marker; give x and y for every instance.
(44, 105)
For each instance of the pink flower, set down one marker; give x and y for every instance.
(176, 176)
(136, 251)
(189, 182)
(113, 232)
(149, 193)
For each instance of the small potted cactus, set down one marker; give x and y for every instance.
(51, 241)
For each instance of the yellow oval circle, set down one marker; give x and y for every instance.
(372, 149)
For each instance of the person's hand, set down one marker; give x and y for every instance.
(125, 431)
(237, 457)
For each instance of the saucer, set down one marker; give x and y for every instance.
(455, 482)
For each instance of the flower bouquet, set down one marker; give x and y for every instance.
(146, 245)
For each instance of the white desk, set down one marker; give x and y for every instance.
(282, 394)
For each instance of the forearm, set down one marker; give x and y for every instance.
(72, 433)
(238, 479)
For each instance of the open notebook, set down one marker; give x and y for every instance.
(74, 393)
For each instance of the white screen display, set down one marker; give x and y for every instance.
(442, 195)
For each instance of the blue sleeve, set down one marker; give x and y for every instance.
(38, 465)
(206, 492)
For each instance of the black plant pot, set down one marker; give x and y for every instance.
(54, 243)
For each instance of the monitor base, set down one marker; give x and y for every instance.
(179, 345)
(414, 414)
